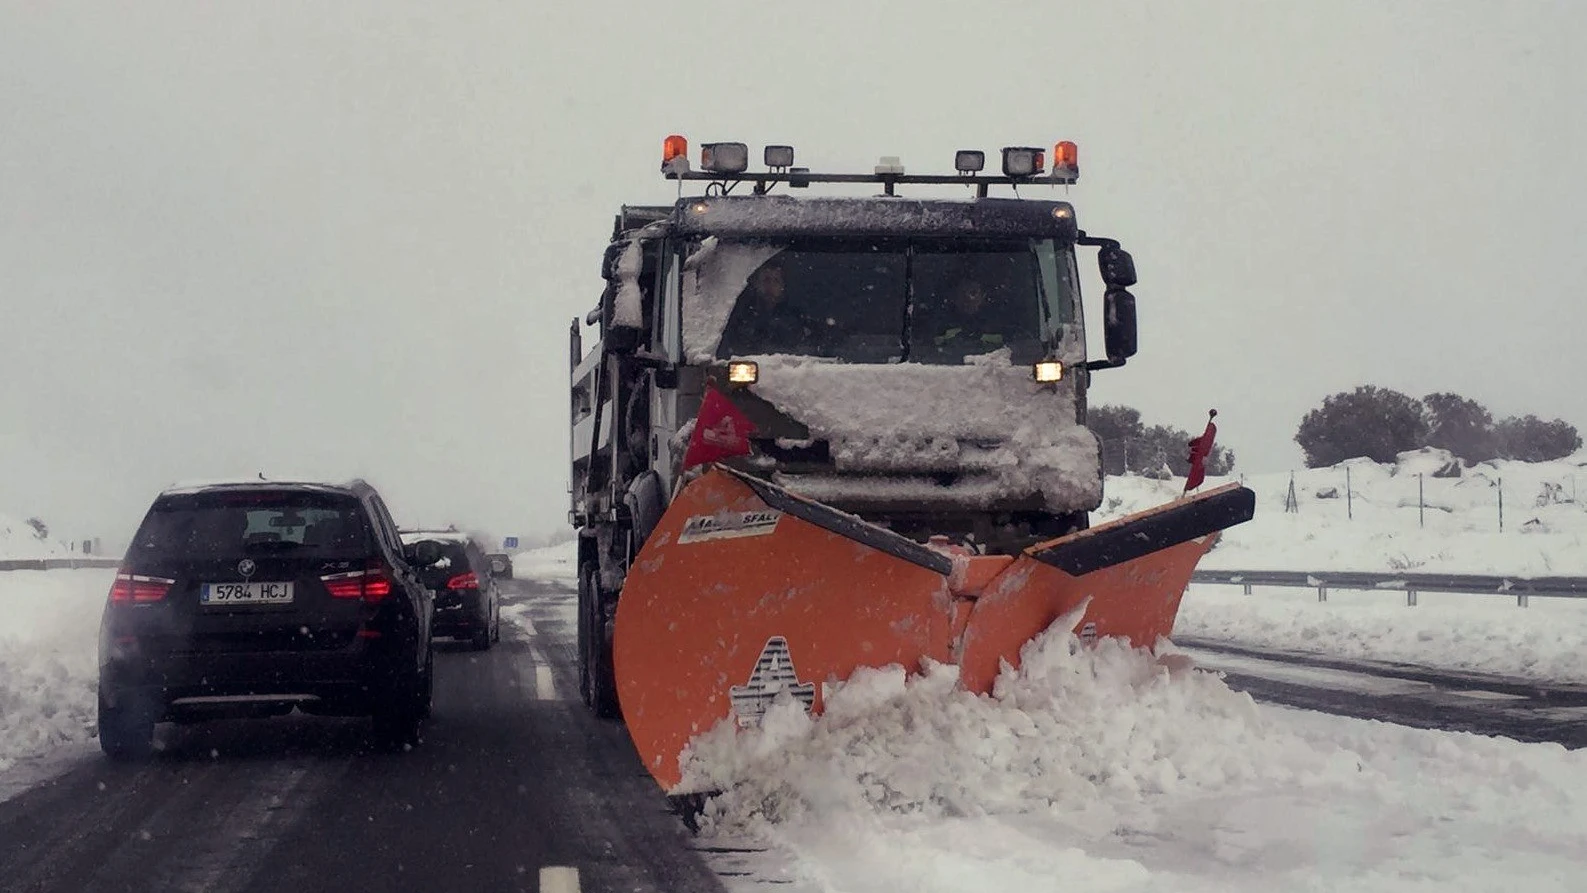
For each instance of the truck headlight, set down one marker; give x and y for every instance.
(742, 372)
(1049, 371)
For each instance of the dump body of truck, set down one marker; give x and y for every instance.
(911, 476)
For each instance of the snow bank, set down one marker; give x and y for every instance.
(18, 541)
(556, 564)
(49, 633)
(1482, 634)
(1389, 519)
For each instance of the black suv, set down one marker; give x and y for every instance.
(467, 601)
(252, 598)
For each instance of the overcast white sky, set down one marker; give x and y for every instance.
(347, 238)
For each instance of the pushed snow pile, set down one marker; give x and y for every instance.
(1101, 769)
(49, 631)
(1076, 730)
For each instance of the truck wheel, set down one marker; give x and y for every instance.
(597, 679)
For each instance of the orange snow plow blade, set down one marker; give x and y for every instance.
(744, 590)
(1133, 571)
(746, 593)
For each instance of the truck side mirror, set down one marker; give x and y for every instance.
(1118, 268)
(617, 337)
(609, 259)
(1118, 325)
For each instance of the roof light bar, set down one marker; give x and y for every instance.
(730, 161)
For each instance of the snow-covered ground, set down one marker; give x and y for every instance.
(1104, 769)
(19, 541)
(1381, 529)
(1386, 523)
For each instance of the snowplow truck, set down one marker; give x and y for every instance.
(902, 470)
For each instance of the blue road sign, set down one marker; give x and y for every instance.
(509, 542)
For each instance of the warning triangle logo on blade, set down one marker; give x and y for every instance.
(774, 673)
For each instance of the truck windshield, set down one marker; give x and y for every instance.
(888, 301)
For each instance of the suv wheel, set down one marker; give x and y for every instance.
(125, 732)
(482, 637)
(399, 716)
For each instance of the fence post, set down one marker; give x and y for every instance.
(1322, 592)
(1350, 512)
(1521, 601)
(1501, 505)
(1421, 507)
(1410, 598)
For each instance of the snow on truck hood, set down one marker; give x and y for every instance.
(986, 417)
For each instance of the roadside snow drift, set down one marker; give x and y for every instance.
(48, 658)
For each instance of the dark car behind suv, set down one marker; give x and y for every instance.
(250, 599)
(467, 600)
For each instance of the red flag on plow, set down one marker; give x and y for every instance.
(1200, 449)
(721, 431)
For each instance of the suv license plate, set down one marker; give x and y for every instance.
(245, 593)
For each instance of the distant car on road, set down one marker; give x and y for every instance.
(467, 600)
(500, 565)
(252, 598)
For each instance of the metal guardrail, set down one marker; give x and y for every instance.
(50, 564)
(1475, 584)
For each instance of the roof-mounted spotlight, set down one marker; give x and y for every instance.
(969, 161)
(724, 158)
(889, 164)
(1023, 161)
(778, 156)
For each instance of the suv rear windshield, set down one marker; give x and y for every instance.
(222, 523)
(454, 559)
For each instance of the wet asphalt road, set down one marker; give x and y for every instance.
(1525, 710)
(514, 776)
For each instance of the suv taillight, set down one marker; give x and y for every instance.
(371, 584)
(469, 580)
(137, 588)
